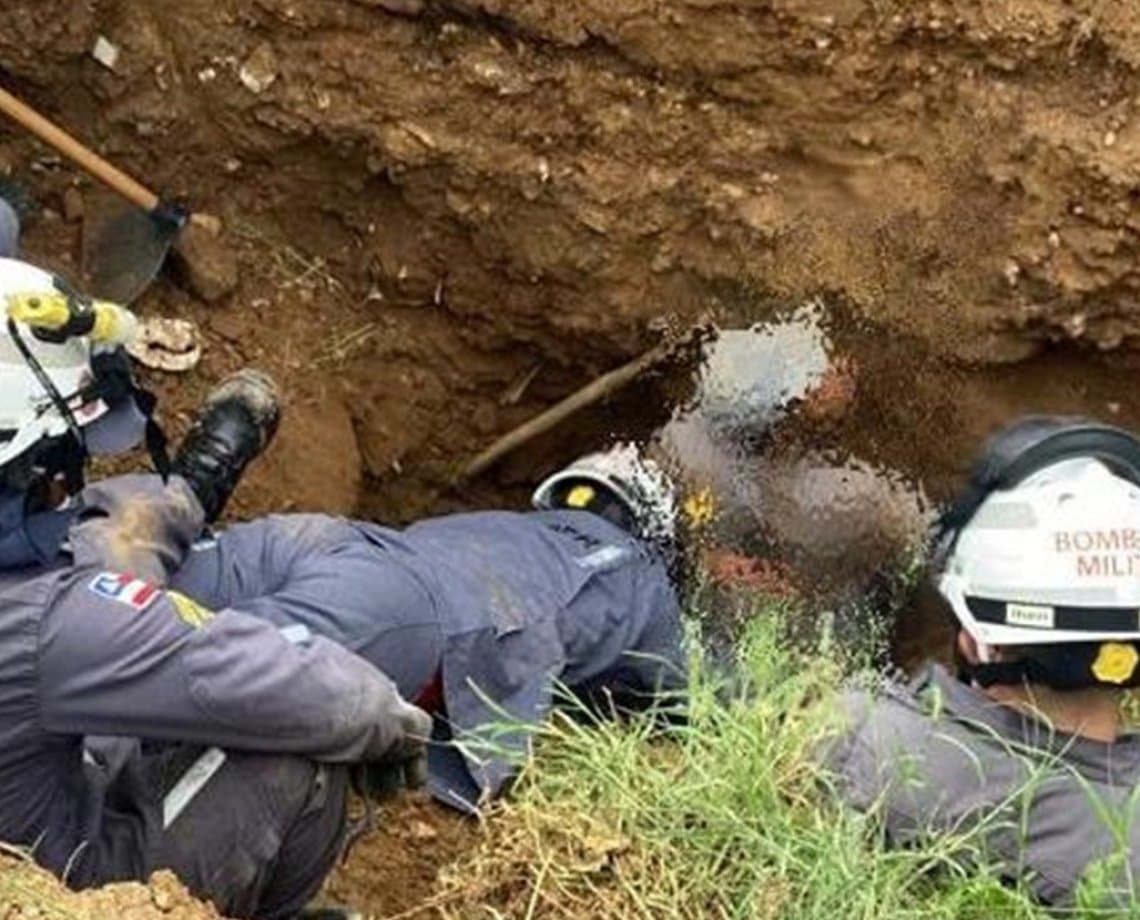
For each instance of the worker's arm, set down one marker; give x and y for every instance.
(657, 664)
(115, 660)
(653, 669)
(137, 524)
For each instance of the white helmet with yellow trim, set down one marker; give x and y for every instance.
(621, 484)
(1042, 553)
(50, 387)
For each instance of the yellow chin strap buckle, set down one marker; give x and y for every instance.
(1115, 663)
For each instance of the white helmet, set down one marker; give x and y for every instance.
(1042, 551)
(636, 481)
(29, 414)
(1052, 559)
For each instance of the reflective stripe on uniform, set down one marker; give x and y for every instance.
(191, 783)
(297, 634)
(601, 558)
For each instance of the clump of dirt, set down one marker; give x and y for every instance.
(566, 864)
(29, 893)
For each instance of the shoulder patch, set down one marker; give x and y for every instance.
(189, 611)
(124, 589)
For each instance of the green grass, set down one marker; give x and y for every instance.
(728, 819)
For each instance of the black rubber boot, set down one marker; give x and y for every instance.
(330, 913)
(234, 426)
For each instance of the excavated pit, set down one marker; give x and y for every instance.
(448, 215)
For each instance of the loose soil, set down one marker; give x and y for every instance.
(393, 872)
(29, 893)
(449, 214)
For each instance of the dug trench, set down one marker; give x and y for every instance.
(449, 214)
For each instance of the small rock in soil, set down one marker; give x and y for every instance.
(209, 266)
(260, 70)
(421, 830)
(172, 345)
(105, 52)
(73, 207)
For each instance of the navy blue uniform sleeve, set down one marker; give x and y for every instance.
(652, 666)
(658, 663)
(120, 657)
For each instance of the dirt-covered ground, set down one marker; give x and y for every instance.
(29, 893)
(450, 213)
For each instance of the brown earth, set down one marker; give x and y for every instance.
(29, 893)
(473, 191)
(394, 871)
(391, 872)
(450, 214)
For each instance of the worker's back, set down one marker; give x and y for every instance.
(40, 774)
(942, 757)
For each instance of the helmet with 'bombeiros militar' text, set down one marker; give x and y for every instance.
(1043, 549)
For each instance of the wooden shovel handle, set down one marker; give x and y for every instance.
(80, 155)
(593, 392)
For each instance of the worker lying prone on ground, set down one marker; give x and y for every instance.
(1025, 745)
(136, 732)
(477, 617)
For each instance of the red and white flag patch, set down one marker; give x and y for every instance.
(124, 588)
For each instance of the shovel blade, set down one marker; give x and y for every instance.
(124, 249)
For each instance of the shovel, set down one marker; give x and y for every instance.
(123, 251)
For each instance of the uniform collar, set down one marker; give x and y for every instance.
(1115, 763)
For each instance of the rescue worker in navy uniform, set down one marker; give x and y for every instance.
(478, 617)
(1026, 742)
(138, 731)
(135, 674)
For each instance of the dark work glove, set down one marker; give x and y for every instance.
(405, 767)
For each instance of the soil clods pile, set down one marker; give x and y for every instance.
(29, 893)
